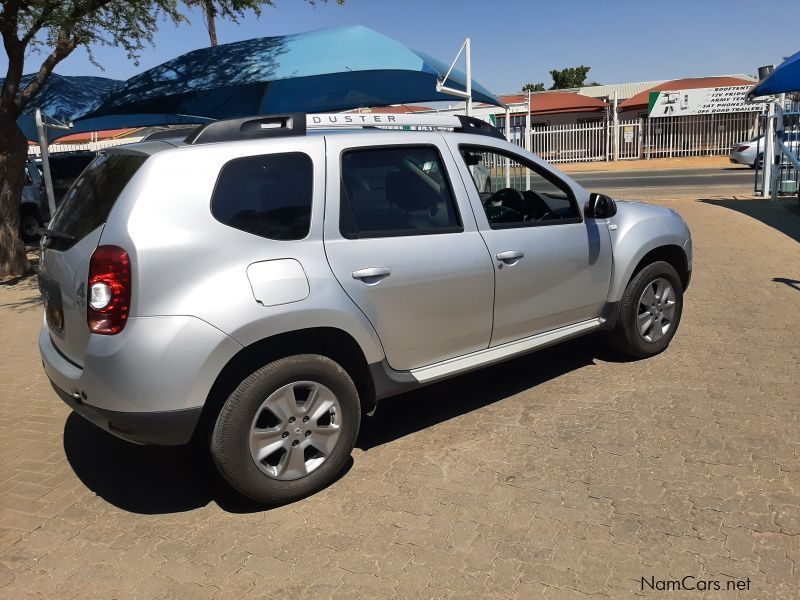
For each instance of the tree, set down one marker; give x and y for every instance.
(232, 10)
(533, 87)
(55, 28)
(571, 77)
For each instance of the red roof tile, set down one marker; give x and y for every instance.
(549, 103)
(641, 100)
(77, 138)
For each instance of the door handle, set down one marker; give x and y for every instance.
(510, 257)
(372, 275)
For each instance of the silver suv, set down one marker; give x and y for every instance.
(260, 286)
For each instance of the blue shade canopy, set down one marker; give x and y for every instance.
(786, 78)
(63, 98)
(319, 71)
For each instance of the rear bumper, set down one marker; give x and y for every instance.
(166, 428)
(149, 383)
(740, 159)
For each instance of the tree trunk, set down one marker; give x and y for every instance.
(13, 154)
(211, 21)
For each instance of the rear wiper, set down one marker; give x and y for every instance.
(57, 234)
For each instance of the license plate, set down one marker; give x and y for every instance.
(53, 306)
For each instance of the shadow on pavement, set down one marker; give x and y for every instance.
(783, 215)
(792, 283)
(414, 411)
(159, 480)
(149, 479)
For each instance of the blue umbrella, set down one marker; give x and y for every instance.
(319, 71)
(786, 78)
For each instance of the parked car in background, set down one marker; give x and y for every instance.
(33, 209)
(65, 167)
(751, 152)
(259, 288)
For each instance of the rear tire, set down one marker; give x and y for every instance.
(650, 311)
(288, 429)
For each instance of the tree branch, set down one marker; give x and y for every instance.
(64, 46)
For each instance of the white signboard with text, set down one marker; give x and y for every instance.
(701, 101)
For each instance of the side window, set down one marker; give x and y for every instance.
(515, 195)
(396, 191)
(268, 195)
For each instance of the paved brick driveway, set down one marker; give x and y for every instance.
(559, 475)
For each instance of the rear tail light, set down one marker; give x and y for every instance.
(109, 290)
(741, 148)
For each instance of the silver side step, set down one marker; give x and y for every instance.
(482, 358)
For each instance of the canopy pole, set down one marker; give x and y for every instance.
(528, 139)
(769, 151)
(41, 130)
(468, 44)
(778, 150)
(467, 95)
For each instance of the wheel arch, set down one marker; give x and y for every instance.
(336, 344)
(671, 254)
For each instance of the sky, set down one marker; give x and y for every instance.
(513, 42)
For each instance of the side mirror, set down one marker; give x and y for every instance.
(600, 206)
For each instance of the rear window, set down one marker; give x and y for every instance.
(89, 201)
(267, 195)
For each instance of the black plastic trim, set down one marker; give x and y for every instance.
(388, 382)
(478, 127)
(163, 428)
(249, 128)
(610, 315)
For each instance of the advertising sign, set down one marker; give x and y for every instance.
(701, 101)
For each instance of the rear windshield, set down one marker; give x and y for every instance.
(90, 199)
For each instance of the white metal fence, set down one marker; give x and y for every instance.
(94, 146)
(697, 136)
(640, 138)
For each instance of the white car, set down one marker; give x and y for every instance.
(751, 152)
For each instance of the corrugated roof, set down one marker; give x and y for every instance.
(628, 90)
(641, 100)
(624, 90)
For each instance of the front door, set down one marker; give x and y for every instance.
(553, 268)
(403, 243)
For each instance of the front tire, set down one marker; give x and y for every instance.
(650, 311)
(288, 429)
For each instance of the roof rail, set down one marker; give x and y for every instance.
(249, 128)
(292, 124)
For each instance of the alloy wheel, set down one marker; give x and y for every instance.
(656, 310)
(295, 430)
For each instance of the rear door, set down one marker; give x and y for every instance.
(403, 243)
(77, 226)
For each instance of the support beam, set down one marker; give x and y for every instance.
(41, 130)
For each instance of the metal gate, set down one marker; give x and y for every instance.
(629, 140)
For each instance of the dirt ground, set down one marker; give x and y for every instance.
(684, 162)
(568, 473)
